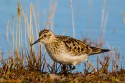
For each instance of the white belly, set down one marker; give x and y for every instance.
(61, 56)
(65, 58)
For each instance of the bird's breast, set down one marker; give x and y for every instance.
(60, 55)
(54, 50)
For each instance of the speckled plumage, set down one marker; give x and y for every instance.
(65, 49)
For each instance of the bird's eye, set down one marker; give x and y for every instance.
(44, 35)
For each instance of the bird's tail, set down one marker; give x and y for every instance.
(98, 50)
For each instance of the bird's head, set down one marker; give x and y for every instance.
(45, 36)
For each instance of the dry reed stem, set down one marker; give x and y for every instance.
(7, 33)
(123, 17)
(19, 9)
(51, 16)
(36, 23)
(2, 59)
(73, 24)
(13, 40)
(30, 26)
(103, 24)
(18, 28)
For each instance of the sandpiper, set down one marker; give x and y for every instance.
(65, 49)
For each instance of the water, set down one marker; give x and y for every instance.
(87, 19)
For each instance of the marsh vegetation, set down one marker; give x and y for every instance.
(29, 64)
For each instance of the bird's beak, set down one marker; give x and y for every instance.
(38, 40)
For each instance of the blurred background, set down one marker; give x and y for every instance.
(77, 18)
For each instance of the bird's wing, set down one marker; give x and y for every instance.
(77, 47)
(74, 46)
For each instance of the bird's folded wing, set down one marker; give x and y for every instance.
(74, 46)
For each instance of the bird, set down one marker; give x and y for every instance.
(65, 49)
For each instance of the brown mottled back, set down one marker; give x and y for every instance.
(78, 47)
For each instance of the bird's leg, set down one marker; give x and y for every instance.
(69, 69)
(64, 70)
(72, 67)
